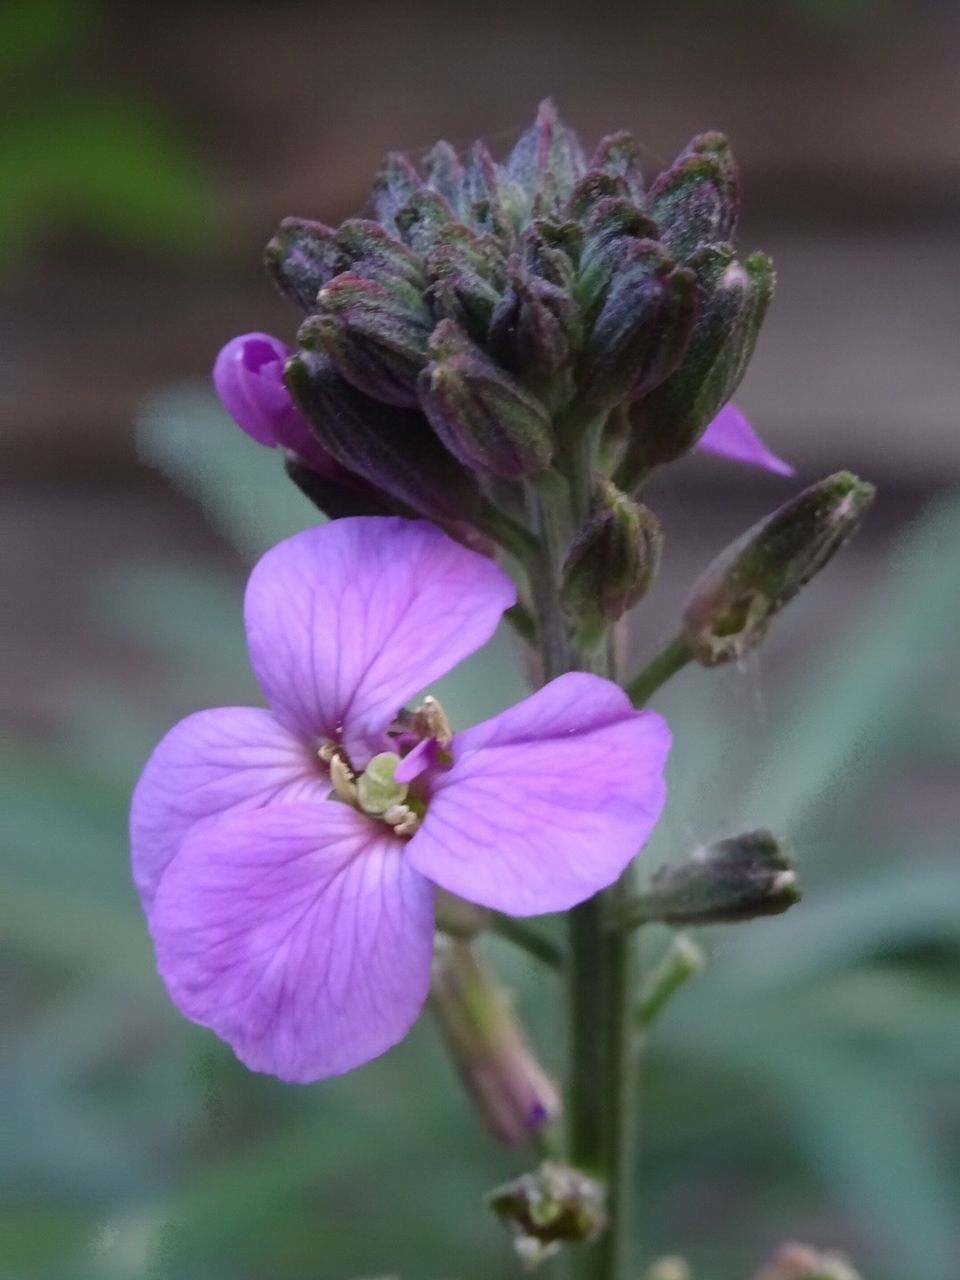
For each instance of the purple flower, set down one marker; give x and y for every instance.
(731, 435)
(248, 378)
(286, 858)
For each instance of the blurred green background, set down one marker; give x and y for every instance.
(806, 1084)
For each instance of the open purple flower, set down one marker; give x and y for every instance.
(286, 858)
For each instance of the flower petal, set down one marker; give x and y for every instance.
(208, 764)
(248, 378)
(548, 802)
(300, 934)
(731, 435)
(347, 621)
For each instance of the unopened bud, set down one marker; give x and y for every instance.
(619, 155)
(393, 186)
(799, 1262)
(302, 257)
(731, 302)
(485, 417)
(613, 227)
(376, 340)
(513, 1094)
(614, 558)
(741, 878)
(393, 449)
(733, 602)
(444, 172)
(370, 250)
(547, 161)
(642, 331)
(553, 1206)
(696, 201)
(533, 328)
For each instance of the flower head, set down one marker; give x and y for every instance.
(286, 857)
(454, 338)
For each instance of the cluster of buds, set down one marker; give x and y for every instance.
(489, 318)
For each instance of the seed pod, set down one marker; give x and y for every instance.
(734, 601)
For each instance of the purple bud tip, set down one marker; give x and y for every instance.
(248, 378)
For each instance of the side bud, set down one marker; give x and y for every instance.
(485, 417)
(377, 341)
(551, 1207)
(733, 602)
(613, 560)
(534, 327)
(742, 878)
(642, 330)
(514, 1095)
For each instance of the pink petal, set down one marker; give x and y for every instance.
(248, 377)
(208, 764)
(731, 435)
(299, 934)
(348, 621)
(548, 802)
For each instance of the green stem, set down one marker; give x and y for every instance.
(683, 958)
(673, 657)
(532, 941)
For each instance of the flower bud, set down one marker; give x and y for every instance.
(483, 415)
(741, 878)
(619, 156)
(799, 1262)
(393, 186)
(533, 327)
(422, 217)
(731, 301)
(444, 172)
(248, 378)
(614, 225)
(733, 602)
(488, 1046)
(696, 201)
(553, 1206)
(369, 250)
(467, 274)
(376, 340)
(642, 330)
(547, 161)
(302, 257)
(337, 492)
(393, 449)
(613, 559)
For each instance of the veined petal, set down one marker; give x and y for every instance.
(548, 802)
(347, 621)
(208, 764)
(300, 934)
(732, 436)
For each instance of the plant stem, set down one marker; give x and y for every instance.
(532, 941)
(673, 657)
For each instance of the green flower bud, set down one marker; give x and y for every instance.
(547, 161)
(619, 156)
(741, 878)
(391, 448)
(369, 250)
(731, 301)
(614, 558)
(614, 226)
(393, 186)
(377, 340)
(551, 250)
(422, 217)
(642, 331)
(444, 173)
(696, 201)
(553, 1206)
(800, 1262)
(534, 327)
(732, 604)
(302, 257)
(483, 415)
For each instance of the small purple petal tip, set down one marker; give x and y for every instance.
(248, 378)
(732, 436)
